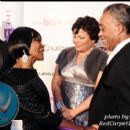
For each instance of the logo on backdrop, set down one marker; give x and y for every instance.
(54, 48)
(53, 22)
(7, 25)
(8, 28)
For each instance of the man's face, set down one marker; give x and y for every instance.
(109, 31)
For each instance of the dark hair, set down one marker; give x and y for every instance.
(89, 25)
(121, 12)
(20, 39)
(4, 56)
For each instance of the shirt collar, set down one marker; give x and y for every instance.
(117, 49)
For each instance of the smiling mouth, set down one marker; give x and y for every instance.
(103, 40)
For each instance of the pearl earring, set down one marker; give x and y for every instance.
(24, 57)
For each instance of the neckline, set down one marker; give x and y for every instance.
(83, 58)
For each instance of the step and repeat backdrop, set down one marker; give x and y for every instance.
(54, 21)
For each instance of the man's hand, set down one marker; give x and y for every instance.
(90, 128)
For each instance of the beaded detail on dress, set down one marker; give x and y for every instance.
(76, 87)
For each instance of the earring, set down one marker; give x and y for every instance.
(24, 57)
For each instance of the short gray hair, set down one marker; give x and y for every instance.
(121, 12)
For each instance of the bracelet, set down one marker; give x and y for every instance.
(59, 105)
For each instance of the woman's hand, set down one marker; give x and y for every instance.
(68, 114)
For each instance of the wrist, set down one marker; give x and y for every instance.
(59, 105)
(74, 113)
(94, 128)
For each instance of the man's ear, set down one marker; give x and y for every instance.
(121, 28)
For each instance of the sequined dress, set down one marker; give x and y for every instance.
(76, 87)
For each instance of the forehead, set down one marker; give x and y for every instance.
(81, 32)
(36, 43)
(107, 19)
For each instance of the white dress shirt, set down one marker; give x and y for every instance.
(117, 49)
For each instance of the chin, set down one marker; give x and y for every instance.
(78, 49)
(42, 58)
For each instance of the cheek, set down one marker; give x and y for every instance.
(87, 43)
(33, 51)
(111, 32)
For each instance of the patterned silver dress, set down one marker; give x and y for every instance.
(76, 87)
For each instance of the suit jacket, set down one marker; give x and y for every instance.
(110, 106)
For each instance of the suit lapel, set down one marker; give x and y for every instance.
(108, 68)
(108, 74)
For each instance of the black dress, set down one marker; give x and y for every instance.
(35, 108)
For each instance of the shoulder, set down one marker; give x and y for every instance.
(99, 53)
(64, 53)
(67, 50)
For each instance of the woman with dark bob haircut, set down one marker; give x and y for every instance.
(78, 71)
(25, 48)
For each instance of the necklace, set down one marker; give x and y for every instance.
(81, 56)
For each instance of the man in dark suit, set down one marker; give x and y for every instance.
(110, 106)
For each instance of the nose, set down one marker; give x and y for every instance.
(75, 40)
(43, 45)
(100, 33)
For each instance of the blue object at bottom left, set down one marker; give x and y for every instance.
(9, 104)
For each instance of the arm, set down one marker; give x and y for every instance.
(71, 113)
(68, 124)
(56, 84)
(98, 78)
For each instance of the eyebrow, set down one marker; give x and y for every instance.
(100, 25)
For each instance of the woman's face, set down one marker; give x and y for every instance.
(82, 41)
(36, 50)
